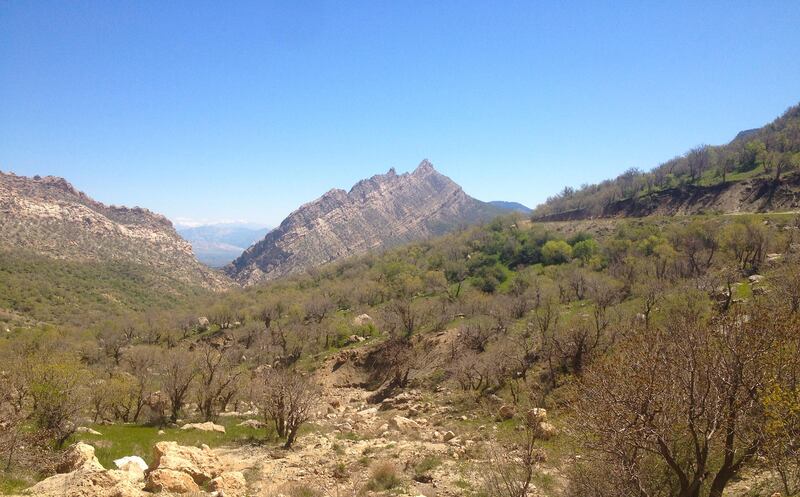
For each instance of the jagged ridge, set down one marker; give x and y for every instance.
(382, 211)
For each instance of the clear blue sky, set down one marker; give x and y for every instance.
(236, 110)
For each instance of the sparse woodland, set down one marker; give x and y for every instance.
(771, 152)
(667, 349)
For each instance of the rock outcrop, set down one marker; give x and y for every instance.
(199, 463)
(379, 212)
(176, 469)
(80, 474)
(48, 216)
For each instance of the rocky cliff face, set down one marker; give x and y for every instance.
(382, 211)
(48, 216)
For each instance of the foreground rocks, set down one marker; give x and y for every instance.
(199, 463)
(81, 474)
(176, 469)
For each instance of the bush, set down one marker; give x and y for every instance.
(556, 252)
(384, 476)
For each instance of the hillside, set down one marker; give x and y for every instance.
(382, 211)
(755, 172)
(437, 367)
(64, 255)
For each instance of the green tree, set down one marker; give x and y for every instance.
(585, 250)
(556, 252)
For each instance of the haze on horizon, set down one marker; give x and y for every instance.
(210, 113)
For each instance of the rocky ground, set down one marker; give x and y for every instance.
(425, 443)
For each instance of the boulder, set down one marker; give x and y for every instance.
(128, 463)
(229, 484)
(201, 464)
(353, 339)
(170, 480)
(207, 426)
(79, 456)
(87, 482)
(367, 413)
(547, 431)
(448, 435)
(404, 425)
(362, 320)
(536, 415)
(506, 412)
(755, 278)
(84, 429)
(252, 423)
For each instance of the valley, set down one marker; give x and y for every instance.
(635, 337)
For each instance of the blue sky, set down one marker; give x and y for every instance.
(218, 111)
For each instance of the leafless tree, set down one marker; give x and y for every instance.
(217, 379)
(178, 372)
(677, 411)
(287, 399)
(511, 467)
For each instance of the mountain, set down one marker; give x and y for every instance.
(47, 217)
(511, 206)
(218, 244)
(756, 172)
(379, 212)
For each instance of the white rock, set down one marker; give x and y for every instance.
(207, 426)
(84, 429)
(123, 462)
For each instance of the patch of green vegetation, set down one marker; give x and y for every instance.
(426, 465)
(77, 293)
(384, 476)
(121, 440)
(13, 483)
(349, 435)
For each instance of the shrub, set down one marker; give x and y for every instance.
(384, 476)
(556, 252)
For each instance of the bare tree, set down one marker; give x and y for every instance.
(678, 411)
(287, 399)
(178, 371)
(511, 467)
(140, 362)
(218, 379)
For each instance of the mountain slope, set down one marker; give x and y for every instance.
(511, 206)
(218, 244)
(382, 211)
(755, 172)
(49, 217)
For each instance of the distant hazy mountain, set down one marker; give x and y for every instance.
(218, 244)
(511, 206)
(379, 212)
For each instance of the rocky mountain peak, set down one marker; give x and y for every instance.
(378, 212)
(425, 167)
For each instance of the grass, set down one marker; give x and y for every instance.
(385, 476)
(426, 465)
(11, 483)
(128, 440)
